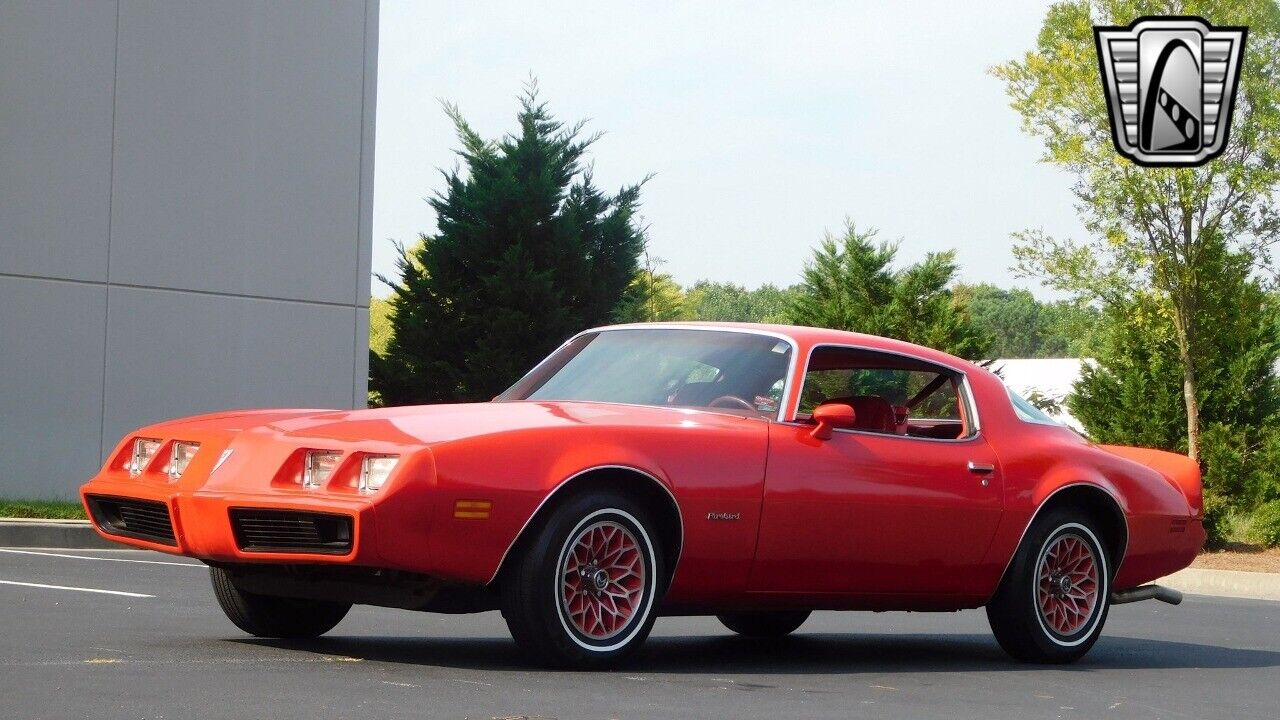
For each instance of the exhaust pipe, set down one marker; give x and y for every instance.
(1147, 592)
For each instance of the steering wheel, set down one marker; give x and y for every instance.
(732, 402)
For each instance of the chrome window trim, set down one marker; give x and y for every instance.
(966, 395)
(560, 485)
(787, 380)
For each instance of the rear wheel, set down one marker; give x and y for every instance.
(764, 624)
(274, 617)
(583, 590)
(1054, 599)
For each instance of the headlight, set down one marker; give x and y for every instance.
(144, 449)
(375, 469)
(180, 458)
(319, 467)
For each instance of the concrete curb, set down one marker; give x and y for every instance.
(1225, 583)
(71, 534)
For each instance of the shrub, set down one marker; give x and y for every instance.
(1265, 484)
(1266, 523)
(1228, 463)
(1217, 521)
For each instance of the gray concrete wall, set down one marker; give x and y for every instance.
(185, 217)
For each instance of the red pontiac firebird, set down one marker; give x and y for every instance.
(752, 472)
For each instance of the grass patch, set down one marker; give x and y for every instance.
(1245, 533)
(1240, 528)
(50, 509)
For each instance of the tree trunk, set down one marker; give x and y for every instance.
(1193, 403)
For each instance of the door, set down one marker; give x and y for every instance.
(906, 501)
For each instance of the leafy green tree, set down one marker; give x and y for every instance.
(651, 297)
(379, 324)
(528, 251)
(1132, 393)
(1137, 363)
(1023, 327)
(850, 284)
(1150, 227)
(727, 302)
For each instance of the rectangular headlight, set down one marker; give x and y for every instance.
(180, 458)
(319, 467)
(374, 470)
(144, 450)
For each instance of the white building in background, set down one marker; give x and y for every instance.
(185, 219)
(1050, 378)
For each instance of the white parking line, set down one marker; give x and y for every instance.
(90, 557)
(77, 589)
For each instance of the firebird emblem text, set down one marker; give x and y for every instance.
(724, 516)
(1170, 83)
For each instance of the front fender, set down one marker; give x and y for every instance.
(508, 477)
(517, 472)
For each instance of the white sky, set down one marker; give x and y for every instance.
(764, 123)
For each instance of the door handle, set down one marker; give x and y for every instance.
(981, 468)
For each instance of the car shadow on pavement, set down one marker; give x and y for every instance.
(796, 654)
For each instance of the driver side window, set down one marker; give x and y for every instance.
(890, 394)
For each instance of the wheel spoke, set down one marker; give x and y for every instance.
(1067, 584)
(603, 580)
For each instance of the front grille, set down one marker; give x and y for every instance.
(127, 517)
(291, 531)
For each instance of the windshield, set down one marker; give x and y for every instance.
(732, 371)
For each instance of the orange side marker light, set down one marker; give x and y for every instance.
(472, 509)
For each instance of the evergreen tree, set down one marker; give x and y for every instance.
(1133, 394)
(850, 284)
(651, 297)
(727, 302)
(1151, 228)
(528, 251)
(1024, 327)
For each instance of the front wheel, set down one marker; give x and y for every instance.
(582, 591)
(1054, 599)
(268, 616)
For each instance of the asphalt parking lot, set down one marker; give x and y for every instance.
(166, 651)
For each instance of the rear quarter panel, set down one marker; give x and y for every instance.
(1040, 460)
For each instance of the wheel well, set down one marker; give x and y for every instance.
(640, 486)
(1103, 509)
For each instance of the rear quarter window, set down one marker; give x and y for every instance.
(1028, 412)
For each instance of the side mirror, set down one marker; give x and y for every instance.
(832, 415)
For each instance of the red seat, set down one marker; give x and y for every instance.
(871, 412)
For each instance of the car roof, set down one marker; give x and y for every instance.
(807, 337)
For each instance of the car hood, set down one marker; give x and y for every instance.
(432, 424)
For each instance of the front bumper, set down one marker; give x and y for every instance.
(212, 525)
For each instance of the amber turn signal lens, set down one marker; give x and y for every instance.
(472, 509)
